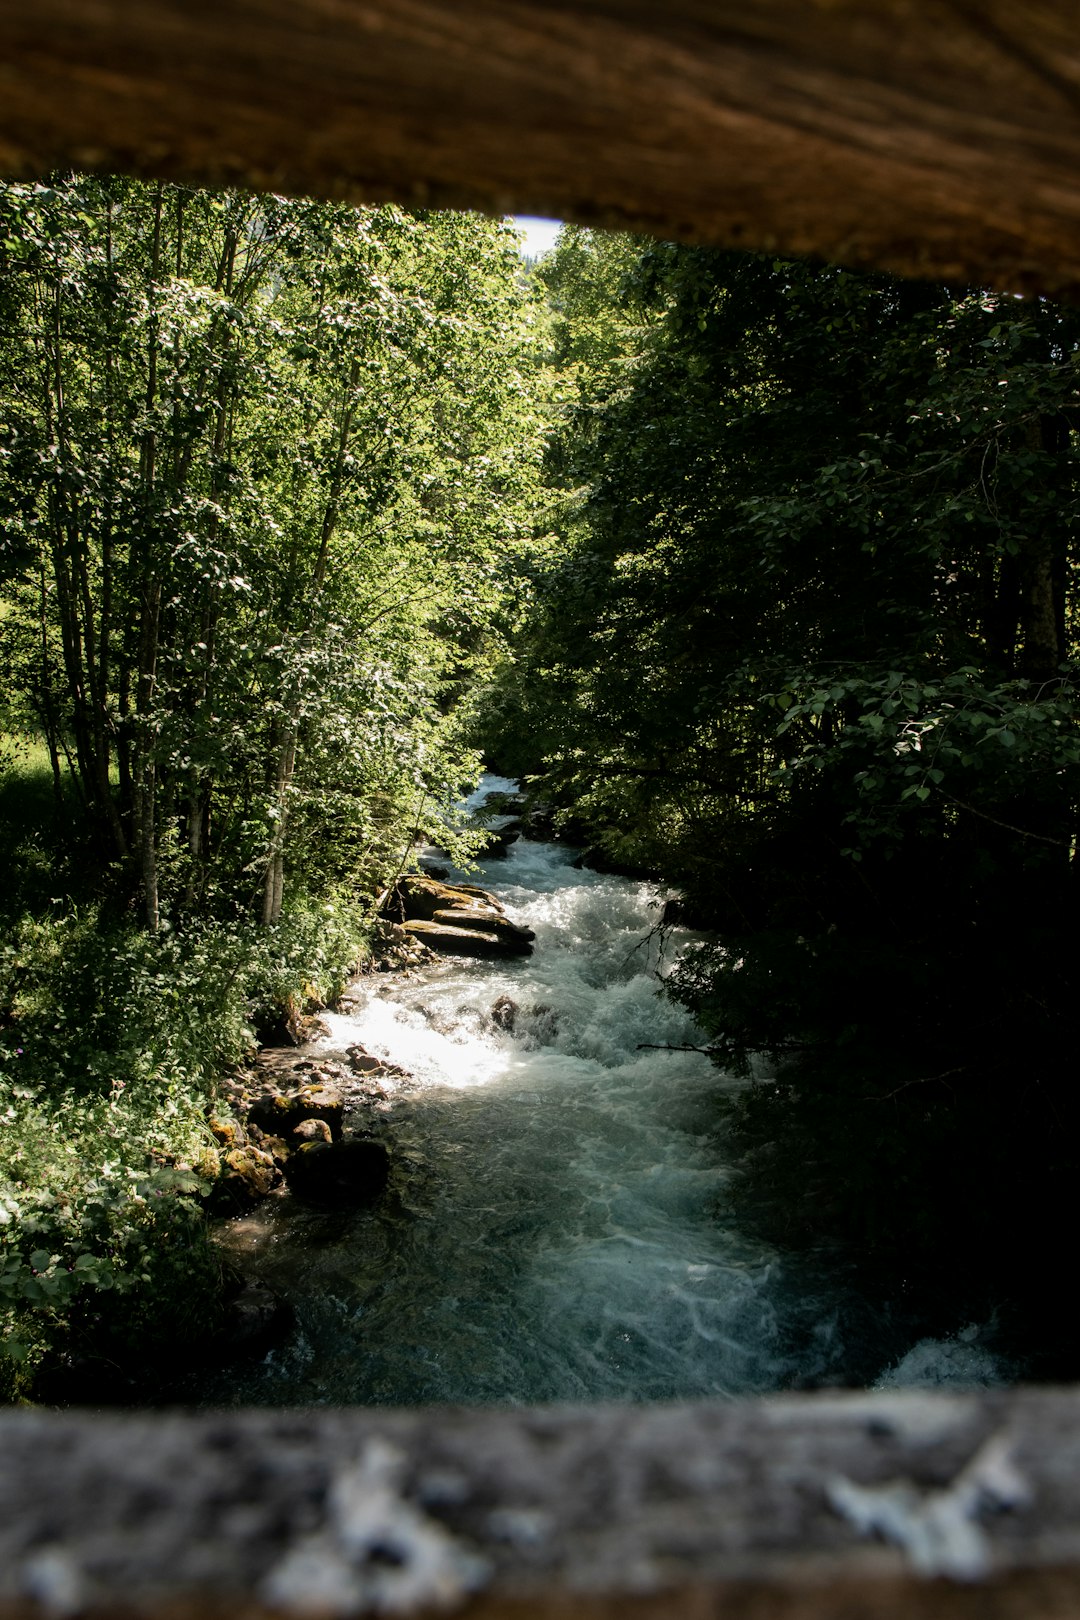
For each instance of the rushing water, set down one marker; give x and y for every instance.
(558, 1225)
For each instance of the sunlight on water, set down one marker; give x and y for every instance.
(556, 1226)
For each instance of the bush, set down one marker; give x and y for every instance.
(112, 1043)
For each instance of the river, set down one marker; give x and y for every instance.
(560, 1223)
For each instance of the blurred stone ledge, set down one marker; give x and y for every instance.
(845, 1506)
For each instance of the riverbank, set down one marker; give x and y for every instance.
(113, 1049)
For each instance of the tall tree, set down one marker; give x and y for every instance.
(263, 468)
(807, 647)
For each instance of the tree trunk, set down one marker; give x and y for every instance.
(150, 593)
(274, 882)
(1041, 571)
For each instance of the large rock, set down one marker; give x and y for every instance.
(486, 921)
(455, 940)
(279, 1113)
(419, 898)
(338, 1175)
(247, 1175)
(499, 840)
(459, 919)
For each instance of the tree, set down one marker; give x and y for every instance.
(806, 649)
(265, 464)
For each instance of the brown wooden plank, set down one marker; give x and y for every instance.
(930, 136)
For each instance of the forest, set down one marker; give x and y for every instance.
(757, 574)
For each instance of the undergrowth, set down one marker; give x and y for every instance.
(112, 1045)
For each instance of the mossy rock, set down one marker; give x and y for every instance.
(247, 1175)
(227, 1133)
(453, 941)
(419, 898)
(486, 921)
(278, 1113)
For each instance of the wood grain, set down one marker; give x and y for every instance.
(935, 137)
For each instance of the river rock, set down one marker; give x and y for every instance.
(539, 1022)
(499, 840)
(279, 1113)
(472, 941)
(458, 919)
(546, 823)
(363, 1062)
(504, 1013)
(276, 1146)
(227, 1133)
(419, 898)
(312, 1130)
(247, 1175)
(338, 1175)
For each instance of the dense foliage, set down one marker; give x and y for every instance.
(262, 467)
(266, 470)
(799, 637)
(806, 647)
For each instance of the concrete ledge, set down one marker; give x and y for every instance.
(822, 1505)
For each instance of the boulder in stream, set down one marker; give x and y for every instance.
(458, 919)
(486, 920)
(278, 1113)
(417, 898)
(247, 1175)
(500, 839)
(339, 1175)
(454, 940)
(504, 1013)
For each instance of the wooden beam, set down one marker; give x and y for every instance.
(836, 1507)
(936, 137)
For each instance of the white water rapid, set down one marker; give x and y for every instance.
(556, 1226)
